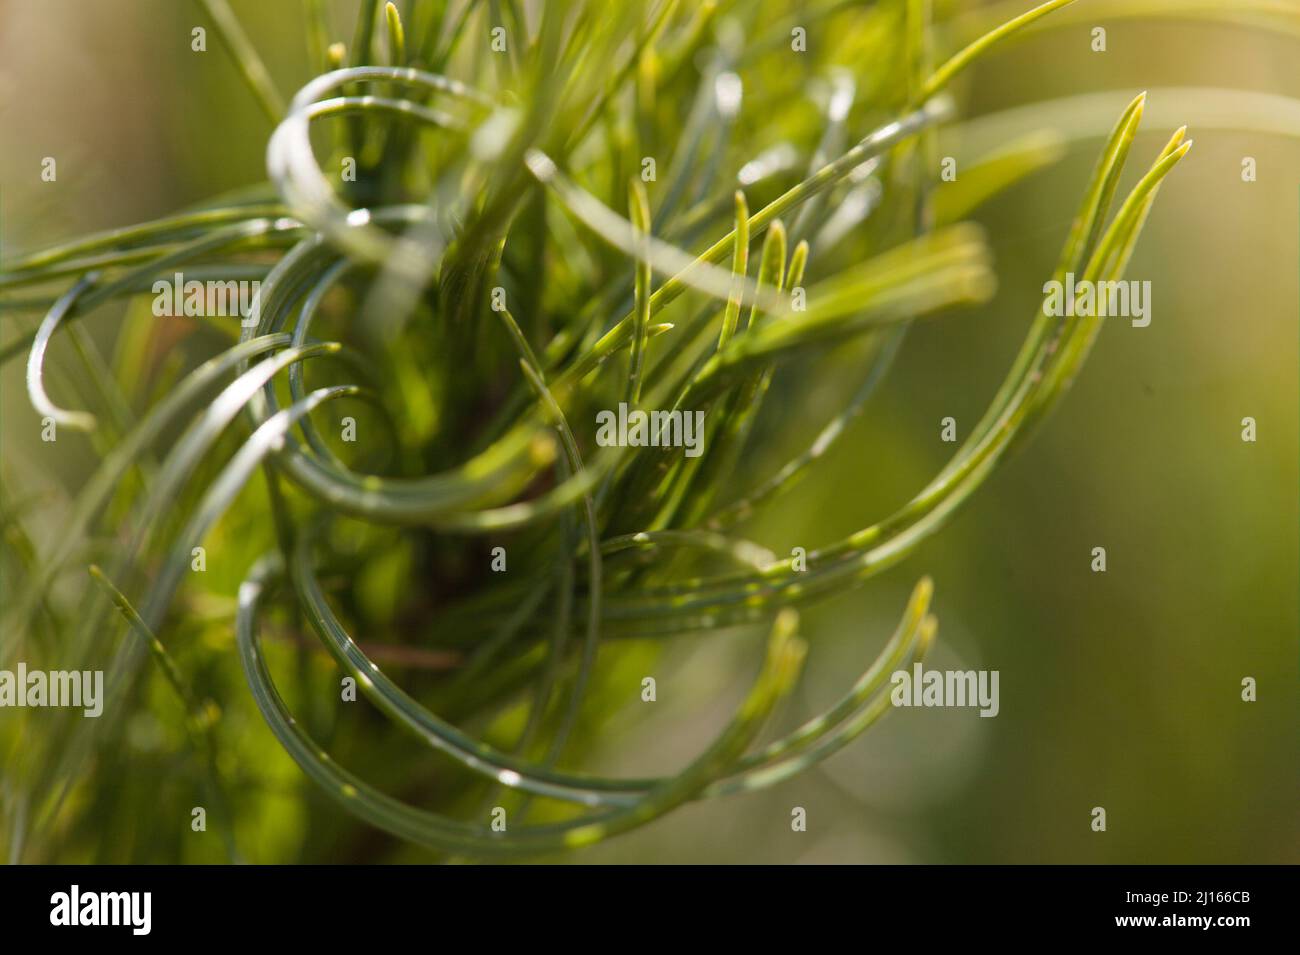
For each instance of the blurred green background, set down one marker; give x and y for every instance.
(1119, 690)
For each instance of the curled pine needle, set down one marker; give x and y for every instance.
(76, 420)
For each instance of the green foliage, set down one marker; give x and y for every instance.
(495, 181)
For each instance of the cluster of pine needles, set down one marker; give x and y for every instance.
(556, 208)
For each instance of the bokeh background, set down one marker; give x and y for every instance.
(1119, 689)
